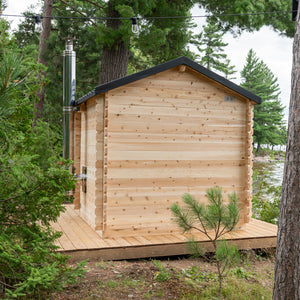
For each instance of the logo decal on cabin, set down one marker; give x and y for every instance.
(229, 98)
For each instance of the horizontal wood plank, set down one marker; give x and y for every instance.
(227, 119)
(150, 137)
(176, 155)
(203, 172)
(170, 182)
(162, 146)
(119, 112)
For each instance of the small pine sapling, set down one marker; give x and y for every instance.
(214, 221)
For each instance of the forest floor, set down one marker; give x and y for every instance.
(175, 278)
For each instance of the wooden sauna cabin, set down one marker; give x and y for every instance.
(140, 142)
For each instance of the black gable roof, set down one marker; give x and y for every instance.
(165, 66)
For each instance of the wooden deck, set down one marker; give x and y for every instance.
(80, 241)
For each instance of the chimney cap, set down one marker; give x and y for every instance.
(69, 42)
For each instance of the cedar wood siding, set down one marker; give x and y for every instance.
(170, 134)
(148, 138)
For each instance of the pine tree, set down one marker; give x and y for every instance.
(158, 40)
(268, 116)
(229, 70)
(214, 221)
(163, 38)
(211, 47)
(44, 36)
(243, 15)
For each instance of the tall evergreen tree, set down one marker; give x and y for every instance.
(87, 54)
(44, 36)
(268, 116)
(158, 40)
(163, 39)
(211, 47)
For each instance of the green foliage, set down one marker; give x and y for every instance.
(266, 198)
(244, 15)
(211, 47)
(31, 268)
(268, 116)
(213, 220)
(240, 272)
(239, 283)
(163, 274)
(3, 4)
(138, 61)
(165, 39)
(33, 187)
(228, 254)
(196, 275)
(158, 41)
(234, 289)
(194, 248)
(216, 215)
(112, 284)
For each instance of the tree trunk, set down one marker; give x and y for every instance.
(46, 22)
(258, 148)
(114, 59)
(287, 265)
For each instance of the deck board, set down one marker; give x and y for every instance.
(80, 241)
(143, 240)
(133, 241)
(86, 229)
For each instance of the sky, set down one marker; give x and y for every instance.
(273, 49)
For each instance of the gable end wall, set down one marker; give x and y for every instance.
(169, 134)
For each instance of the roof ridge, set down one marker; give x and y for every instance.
(182, 60)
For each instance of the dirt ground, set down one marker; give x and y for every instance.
(167, 278)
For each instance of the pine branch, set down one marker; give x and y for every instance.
(189, 200)
(95, 4)
(20, 195)
(77, 11)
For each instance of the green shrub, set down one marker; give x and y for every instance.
(33, 187)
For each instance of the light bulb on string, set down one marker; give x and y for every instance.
(134, 27)
(38, 27)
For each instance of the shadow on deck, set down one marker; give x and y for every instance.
(81, 242)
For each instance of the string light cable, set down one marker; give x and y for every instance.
(150, 18)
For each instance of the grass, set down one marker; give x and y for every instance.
(112, 284)
(163, 274)
(181, 278)
(233, 288)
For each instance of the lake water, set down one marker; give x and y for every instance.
(272, 172)
(267, 181)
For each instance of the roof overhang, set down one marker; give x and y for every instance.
(100, 89)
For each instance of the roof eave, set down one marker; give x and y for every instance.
(165, 66)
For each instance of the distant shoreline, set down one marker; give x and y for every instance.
(267, 158)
